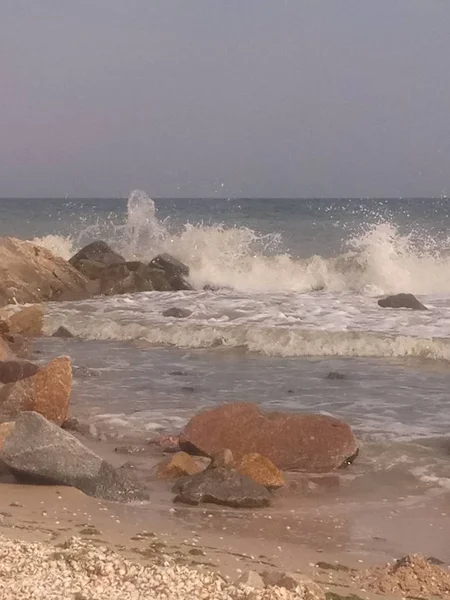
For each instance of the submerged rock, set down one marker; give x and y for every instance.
(38, 451)
(221, 486)
(47, 392)
(298, 442)
(99, 252)
(63, 332)
(177, 313)
(401, 301)
(335, 375)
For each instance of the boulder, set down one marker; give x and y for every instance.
(179, 464)
(262, 470)
(99, 252)
(174, 270)
(177, 313)
(402, 301)
(47, 392)
(297, 442)
(309, 590)
(15, 370)
(63, 332)
(221, 486)
(37, 451)
(31, 274)
(28, 321)
(250, 579)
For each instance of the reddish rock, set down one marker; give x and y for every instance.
(47, 392)
(178, 465)
(296, 442)
(262, 470)
(15, 370)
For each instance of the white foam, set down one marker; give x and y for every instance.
(378, 261)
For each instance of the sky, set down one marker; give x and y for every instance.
(275, 98)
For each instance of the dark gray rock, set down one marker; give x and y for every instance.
(38, 451)
(91, 269)
(335, 375)
(174, 270)
(118, 279)
(63, 332)
(15, 370)
(221, 486)
(178, 313)
(401, 301)
(98, 251)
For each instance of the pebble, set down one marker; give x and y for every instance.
(80, 570)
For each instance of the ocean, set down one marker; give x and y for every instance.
(295, 284)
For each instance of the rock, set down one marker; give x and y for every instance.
(262, 470)
(47, 392)
(63, 332)
(37, 451)
(99, 252)
(17, 344)
(5, 431)
(401, 301)
(178, 313)
(92, 269)
(14, 370)
(159, 280)
(250, 579)
(28, 321)
(74, 424)
(117, 279)
(4, 327)
(31, 274)
(177, 465)
(174, 270)
(223, 459)
(291, 581)
(335, 375)
(221, 486)
(297, 442)
(167, 443)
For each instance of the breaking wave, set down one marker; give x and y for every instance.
(379, 260)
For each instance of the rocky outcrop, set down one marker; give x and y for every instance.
(15, 370)
(262, 470)
(37, 451)
(179, 464)
(98, 252)
(47, 392)
(297, 442)
(31, 274)
(402, 301)
(221, 486)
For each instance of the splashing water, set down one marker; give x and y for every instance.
(379, 260)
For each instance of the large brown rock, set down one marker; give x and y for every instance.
(31, 274)
(297, 442)
(47, 392)
(262, 470)
(5, 351)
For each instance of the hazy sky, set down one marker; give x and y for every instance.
(225, 97)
